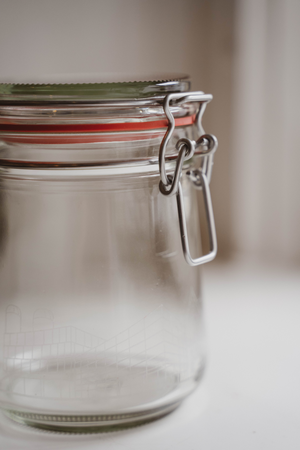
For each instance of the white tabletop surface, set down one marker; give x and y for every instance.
(250, 395)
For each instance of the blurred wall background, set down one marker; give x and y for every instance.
(266, 131)
(244, 52)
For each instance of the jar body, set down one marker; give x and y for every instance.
(101, 315)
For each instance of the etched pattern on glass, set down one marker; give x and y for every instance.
(66, 362)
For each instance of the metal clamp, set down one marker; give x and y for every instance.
(186, 149)
(170, 184)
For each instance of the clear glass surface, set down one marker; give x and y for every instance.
(100, 312)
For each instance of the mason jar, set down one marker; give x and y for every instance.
(100, 252)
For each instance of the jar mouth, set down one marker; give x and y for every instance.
(93, 88)
(66, 124)
(75, 124)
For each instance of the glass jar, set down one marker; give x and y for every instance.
(100, 311)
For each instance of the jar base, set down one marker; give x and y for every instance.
(89, 423)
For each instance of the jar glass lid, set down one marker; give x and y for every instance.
(92, 88)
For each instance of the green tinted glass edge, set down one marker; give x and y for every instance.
(91, 91)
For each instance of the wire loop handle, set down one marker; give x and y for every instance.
(170, 184)
(213, 246)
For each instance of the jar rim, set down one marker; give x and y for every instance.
(98, 88)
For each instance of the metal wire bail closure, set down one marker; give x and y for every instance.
(170, 184)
